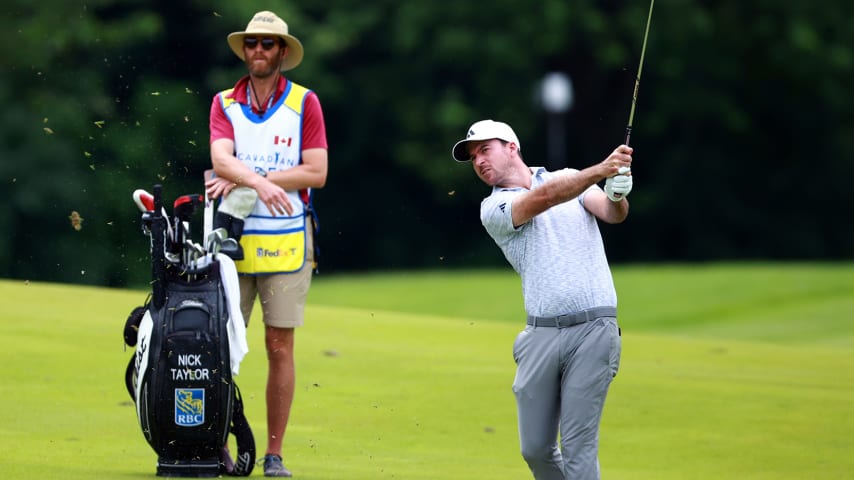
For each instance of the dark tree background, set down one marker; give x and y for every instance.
(741, 131)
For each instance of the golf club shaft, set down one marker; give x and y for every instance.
(158, 260)
(207, 220)
(637, 79)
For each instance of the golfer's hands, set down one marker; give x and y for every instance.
(619, 185)
(618, 173)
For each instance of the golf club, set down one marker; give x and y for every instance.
(230, 246)
(145, 202)
(207, 219)
(637, 85)
(158, 249)
(213, 240)
(182, 211)
(637, 79)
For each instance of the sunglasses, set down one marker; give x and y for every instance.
(266, 43)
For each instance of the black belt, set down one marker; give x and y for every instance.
(570, 319)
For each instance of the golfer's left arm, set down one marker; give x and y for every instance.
(597, 202)
(566, 187)
(609, 204)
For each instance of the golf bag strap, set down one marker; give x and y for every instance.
(245, 461)
(130, 335)
(129, 378)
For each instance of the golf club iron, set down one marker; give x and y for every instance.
(637, 79)
(637, 82)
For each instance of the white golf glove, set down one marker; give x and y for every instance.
(619, 185)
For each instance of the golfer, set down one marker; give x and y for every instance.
(267, 134)
(546, 225)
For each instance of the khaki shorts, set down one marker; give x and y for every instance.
(282, 295)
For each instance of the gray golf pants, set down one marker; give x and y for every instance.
(562, 378)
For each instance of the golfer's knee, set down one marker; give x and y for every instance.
(539, 453)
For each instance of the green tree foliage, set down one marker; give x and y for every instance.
(741, 127)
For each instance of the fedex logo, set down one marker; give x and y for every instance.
(263, 252)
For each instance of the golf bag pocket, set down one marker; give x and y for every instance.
(192, 368)
(264, 253)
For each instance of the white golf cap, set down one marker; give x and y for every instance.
(483, 130)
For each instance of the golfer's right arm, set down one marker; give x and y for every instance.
(566, 187)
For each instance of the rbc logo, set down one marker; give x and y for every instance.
(189, 407)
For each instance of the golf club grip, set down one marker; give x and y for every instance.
(207, 219)
(158, 244)
(628, 137)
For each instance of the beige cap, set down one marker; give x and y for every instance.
(268, 24)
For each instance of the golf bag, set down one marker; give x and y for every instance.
(181, 374)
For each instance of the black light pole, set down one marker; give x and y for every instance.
(556, 96)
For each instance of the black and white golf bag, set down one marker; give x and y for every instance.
(181, 374)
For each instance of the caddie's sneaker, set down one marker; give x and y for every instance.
(273, 467)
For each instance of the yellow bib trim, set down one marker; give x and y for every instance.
(226, 100)
(295, 97)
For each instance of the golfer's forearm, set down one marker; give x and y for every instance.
(554, 192)
(566, 187)
(616, 212)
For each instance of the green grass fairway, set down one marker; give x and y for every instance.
(728, 371)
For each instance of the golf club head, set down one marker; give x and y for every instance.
(214, 240)
(218, 235)
(143, 200)
(177, 237)
(185, 206)
(146, 223)
(229, 246)
(193, 248)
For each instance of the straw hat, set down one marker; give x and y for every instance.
(268, 24)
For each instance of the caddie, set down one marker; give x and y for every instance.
(268, 139)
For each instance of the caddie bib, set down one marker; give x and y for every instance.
(271, 142)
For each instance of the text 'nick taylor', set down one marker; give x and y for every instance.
(188, 373)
